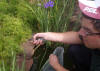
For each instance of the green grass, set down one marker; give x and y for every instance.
(12, 64)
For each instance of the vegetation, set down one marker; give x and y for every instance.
(19, 19)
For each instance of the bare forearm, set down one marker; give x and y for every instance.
(54, 36)
(66, 37)
(71, 38)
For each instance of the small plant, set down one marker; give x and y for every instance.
(13, 65)
(13, 33)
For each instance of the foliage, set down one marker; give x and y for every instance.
(13, 65)
(20, 18)
(26, 15)
(13, 33)
(51, 17)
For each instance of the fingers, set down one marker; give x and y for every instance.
(37, 39)
(53, 57)
(53, 60)
(35, 36)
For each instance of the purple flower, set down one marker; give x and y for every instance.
(46, 5)
(49, 4)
